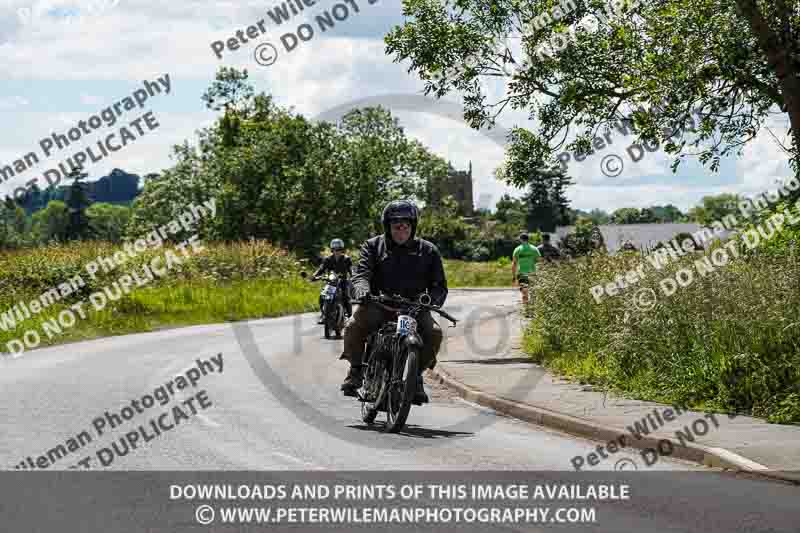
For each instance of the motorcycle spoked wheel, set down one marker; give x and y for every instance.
(400, 392)
(327, 322)
(331, 319)
(369, 410)
(339, 320)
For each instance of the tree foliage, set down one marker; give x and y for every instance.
(655, 61)
(78, 202)
(715, 207)
(278, 176)
(585, 240)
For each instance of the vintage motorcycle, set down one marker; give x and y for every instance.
(333, 296)
(391, 360)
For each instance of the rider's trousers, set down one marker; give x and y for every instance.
(369, 317)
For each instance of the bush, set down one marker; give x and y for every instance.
(730, 341)
(679, 238)
(585, 240)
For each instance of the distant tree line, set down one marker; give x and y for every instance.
(81, 210)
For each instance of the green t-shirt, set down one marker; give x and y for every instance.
(526, 256)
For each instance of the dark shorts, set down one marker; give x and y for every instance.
(522, 279)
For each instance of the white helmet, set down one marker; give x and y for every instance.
(337, 244)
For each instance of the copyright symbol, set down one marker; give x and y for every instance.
(265, 54)
(626, 464)
(204, 515)
(608, 166)
(644, 299)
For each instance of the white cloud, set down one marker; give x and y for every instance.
(12, 102)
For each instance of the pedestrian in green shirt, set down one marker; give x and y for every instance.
(523, 264)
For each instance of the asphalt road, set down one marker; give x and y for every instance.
(276, 406)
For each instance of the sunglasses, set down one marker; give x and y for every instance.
(401, 221)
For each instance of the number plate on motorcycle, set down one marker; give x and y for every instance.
(330, 291)
(406, 325)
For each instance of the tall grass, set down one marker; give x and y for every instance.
(224, 282)
(477, 274)
(729, 341)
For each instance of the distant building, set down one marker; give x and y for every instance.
(458, 185)
(643, 236)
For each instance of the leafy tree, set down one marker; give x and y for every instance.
(598, 217)
(558, 199)
(276, 175)
(383, 164)
(647, 216)
(585, 240)
(679, 239)
(108, 221)
(13, 224)
(735, 61)
(510, 210)
(668, 213)
(715, 207)
(442, 226)
(625, 215)
(165, 196)
(229, 90)
(77, 203)
(52, 222)
(546, 197)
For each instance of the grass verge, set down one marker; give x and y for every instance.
(223, 282)
(728, 341)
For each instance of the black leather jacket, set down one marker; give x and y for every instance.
(407, 270)
(341, 266)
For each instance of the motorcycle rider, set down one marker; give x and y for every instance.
(547, 250)
(395, 263)
(340, 264)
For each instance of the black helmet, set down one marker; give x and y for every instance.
(397, 210)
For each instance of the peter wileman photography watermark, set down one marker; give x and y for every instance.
(560, 10)
(95, 153)
(60, 13)
(147, 431)
(651, 422)
(157, 267)
(719, 257)
(612, 165)
(266, 53)
(280, 13)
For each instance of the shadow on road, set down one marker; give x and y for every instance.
(415, 431)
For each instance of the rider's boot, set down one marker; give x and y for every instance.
(353, 380)
(420, 396)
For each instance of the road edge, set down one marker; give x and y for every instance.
(704, 455)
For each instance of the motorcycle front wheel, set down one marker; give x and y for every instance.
(339, 320)
(369, 410)
(401, 391)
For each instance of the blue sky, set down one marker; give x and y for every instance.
(62, 61)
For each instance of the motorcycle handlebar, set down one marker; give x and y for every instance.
(390, 299)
